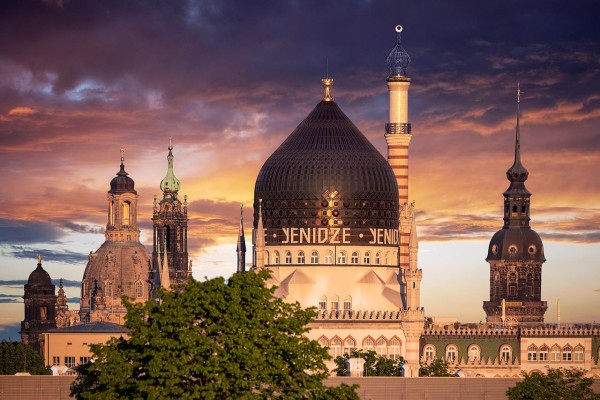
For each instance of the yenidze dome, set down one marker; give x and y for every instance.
(327, 173)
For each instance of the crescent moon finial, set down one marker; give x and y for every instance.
(399, 28)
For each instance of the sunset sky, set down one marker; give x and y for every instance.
(229, 80)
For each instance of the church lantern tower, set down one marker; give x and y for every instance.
(398, 136)
(40, 307)
(516, 254)
(170, 223)
(120, 266)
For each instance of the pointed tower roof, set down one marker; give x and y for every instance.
(398, 59)
(517, 172)
(122, 183)
(170, 184)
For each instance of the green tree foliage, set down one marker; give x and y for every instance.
(374, 365)
(437, 367)
(214, 339)
(556, 384)
(18, 357)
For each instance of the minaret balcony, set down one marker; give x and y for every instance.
(397, 128)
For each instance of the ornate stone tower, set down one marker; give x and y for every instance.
(397, 136)
(121, 265)
(170, 231)
(40, 308)
(516, 254)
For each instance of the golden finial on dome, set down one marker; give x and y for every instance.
(39, 259)
(327, 84)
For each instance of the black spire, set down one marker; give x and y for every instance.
(517, 172)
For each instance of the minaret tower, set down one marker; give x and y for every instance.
(397, 136)
(170, 229)
(516, 253)
(241, 244)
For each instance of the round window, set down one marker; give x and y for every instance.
(512, 249)
(495, 249)
(532, 250)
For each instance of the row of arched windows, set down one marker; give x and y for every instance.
(382, 346)
(474, 352)
(555, 353)
(343, 257)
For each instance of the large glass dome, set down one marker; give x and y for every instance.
(327, 173)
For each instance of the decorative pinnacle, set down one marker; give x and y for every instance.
(518, 92)
(122, 155)
(170, 144)
(327, 84)
(39, 259)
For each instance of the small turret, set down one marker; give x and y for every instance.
(241, 244)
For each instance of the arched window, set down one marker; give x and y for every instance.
(267, 258)
(329, 257)
(367, 259)
(544, 353)
(335, 303)
(474, 353)
(429, 352)
(348, 303)
(387, 257)
(126, 213)
(505, 353)
(323, 341)
(578, 354)
(139, 289)
(342, 257)
(111, 213)
(288, 257)
(354, 258)
(368, 344)
(394, 349)
(567, 353)
(314, 257)
(277, 258)
(300, 257)
(532, 353)
(349, 345)
(378, 258)
(381, 347)
(335, 347)
(555, 353)
(108, 289)
(451, 353)
(323, 302)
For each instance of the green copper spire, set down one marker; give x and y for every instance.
(170, 184)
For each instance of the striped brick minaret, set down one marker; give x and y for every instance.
(398, 135)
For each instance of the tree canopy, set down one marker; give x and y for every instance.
(212, 339)
(437, 367)
(556, 384)
(374, 365)
(19, 357)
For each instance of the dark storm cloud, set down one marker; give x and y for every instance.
(56, 282)
(26, 252)
(12, 231)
